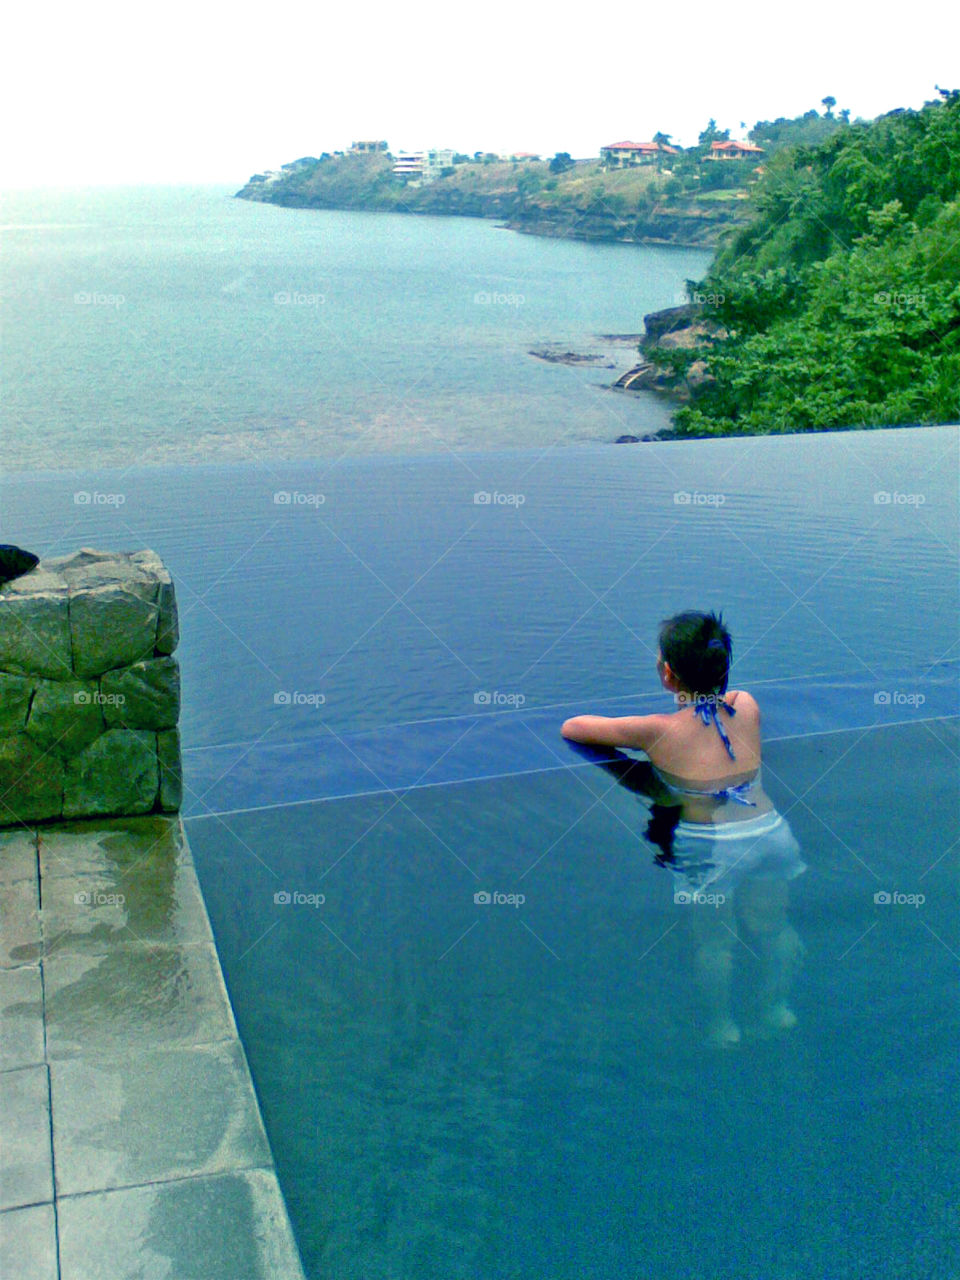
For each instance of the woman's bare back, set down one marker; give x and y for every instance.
(692, 753)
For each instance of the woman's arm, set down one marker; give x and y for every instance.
(638, 732)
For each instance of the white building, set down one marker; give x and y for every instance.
(409, 164)
(422, 166)
(436, 160)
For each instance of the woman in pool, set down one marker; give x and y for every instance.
(732, 854)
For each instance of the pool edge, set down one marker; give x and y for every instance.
(132, 1122)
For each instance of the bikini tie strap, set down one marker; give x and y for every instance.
(737, 793)
(707, 711)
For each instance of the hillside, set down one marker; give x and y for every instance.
(838, 305)
(641, 205)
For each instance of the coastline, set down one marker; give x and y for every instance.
(574, 225)
(597, 207)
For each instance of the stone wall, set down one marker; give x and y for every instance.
(89, 689)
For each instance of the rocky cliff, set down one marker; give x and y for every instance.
(696, 226)
(673, 329)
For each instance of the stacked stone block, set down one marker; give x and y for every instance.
(89, 689)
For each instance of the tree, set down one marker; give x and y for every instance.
(840, 299)
(712, 134)
(663, 139)
(561, 162)
(829, 102)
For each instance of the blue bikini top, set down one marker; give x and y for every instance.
(707, 711)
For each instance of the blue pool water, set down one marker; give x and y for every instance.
(455, 1088)
(460, 1089)
(399, 598)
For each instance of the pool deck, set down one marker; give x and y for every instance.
(131, 1141)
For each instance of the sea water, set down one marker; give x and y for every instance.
(167, 324)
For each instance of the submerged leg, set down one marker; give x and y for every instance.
(715, 936)
(763, 911)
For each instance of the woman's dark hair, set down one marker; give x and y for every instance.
(699, 650)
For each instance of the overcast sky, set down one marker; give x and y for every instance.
(192, 92)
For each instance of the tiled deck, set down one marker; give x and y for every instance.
(131, 1142)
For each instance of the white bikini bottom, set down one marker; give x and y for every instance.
(721, 855)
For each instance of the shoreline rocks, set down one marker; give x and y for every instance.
(680, 328)
(594, 359)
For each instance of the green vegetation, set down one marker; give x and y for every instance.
(560, 196)
(840, 300)
(804, 131)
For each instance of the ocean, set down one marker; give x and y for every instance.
(168, 324)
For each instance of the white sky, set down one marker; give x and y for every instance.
(110, 92)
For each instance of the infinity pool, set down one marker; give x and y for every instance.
(458, 1087)
(373, 687)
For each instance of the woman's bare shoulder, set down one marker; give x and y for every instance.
(743, 702)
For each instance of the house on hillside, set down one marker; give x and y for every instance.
(525, 157)
(422, 166)
(624, 155)
(436, 160)
(365, 147)
(409, 165)
(733, 151)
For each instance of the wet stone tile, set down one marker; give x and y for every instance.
(232, 1226)
(18, 856)
(121, 845)
(19, 923)
(100, 908)
(28, 1243)
(21, 1018)
(25, 1159)
(114, 1124)
(135, 999)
